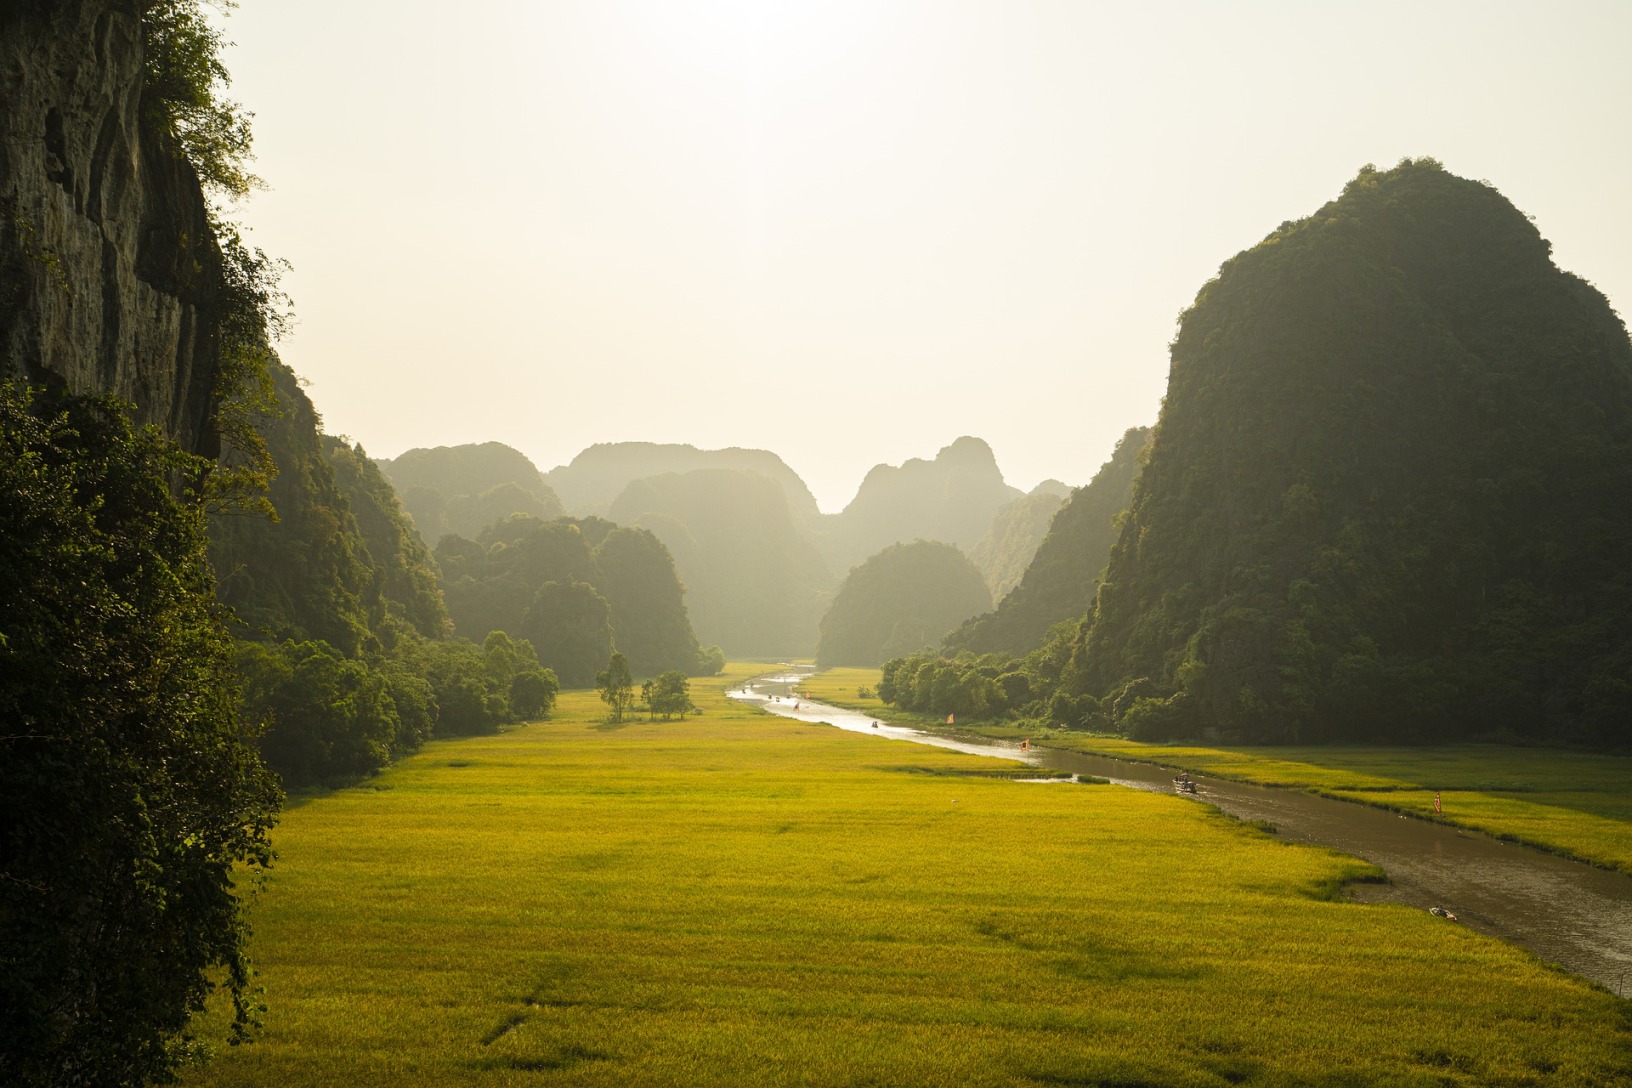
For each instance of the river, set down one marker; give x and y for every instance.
(1564, 911)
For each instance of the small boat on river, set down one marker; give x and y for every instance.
(1183, 784)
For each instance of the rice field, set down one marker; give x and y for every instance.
(742, 899)
(1574, 803)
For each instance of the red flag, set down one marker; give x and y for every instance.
(1436, 801)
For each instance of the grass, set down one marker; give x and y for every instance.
(744, 899)
(1572, 803)
(1578, 804)
(839, 687)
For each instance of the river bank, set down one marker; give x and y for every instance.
(1577, 805)
(1566, 912)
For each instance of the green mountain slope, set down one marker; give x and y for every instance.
(1390, 493)
(316, 572)
(755, 585)
(952, 498)
(1060, 580)
(574, 587)
(1018, 527)
(904, 598)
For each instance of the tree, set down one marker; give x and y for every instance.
(533, 692)
(184, 82)
(669, 694)
(469, 700)
(325, 717)
(710, 661)
(617, 685)
(129, 798)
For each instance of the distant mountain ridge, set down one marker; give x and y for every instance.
(1018, 527)
(462, 490)
(755, 583)
(758, 559)
(594, 479)
(952, 498)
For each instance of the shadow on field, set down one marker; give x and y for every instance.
(610, 726)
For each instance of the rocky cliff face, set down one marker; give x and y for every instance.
(109, 274)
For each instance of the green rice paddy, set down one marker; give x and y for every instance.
(741, 899)
(1574, 803)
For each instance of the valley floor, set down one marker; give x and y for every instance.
(1578, 804)
(744, 899)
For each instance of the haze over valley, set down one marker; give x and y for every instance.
(889, 544)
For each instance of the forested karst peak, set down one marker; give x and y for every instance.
(904, 598)
(952, 498)
(755, 582)
(1051, 487)
(1389, 493)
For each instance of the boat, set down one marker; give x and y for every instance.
(1184, 785)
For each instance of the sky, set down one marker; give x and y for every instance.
(852, 232)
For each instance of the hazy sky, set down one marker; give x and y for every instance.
(851, 232)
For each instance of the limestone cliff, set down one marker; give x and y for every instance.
(109, 273)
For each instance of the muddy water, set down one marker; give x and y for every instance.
(1566, 912)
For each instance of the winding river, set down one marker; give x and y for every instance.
(1564, 911)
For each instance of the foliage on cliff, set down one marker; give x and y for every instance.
(1390, 493)
(755, 584)
(345, 657)
(1060, 581)
(905, 597)
(461, 490)
(405, 573)
(184, 90)
(1006, 550)
(574, 588)
(129, 797)
(309, 574)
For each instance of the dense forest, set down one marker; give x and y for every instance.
(134, 326)
(342, 632)
(905, 597)
(574, 588)
(129, 803)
